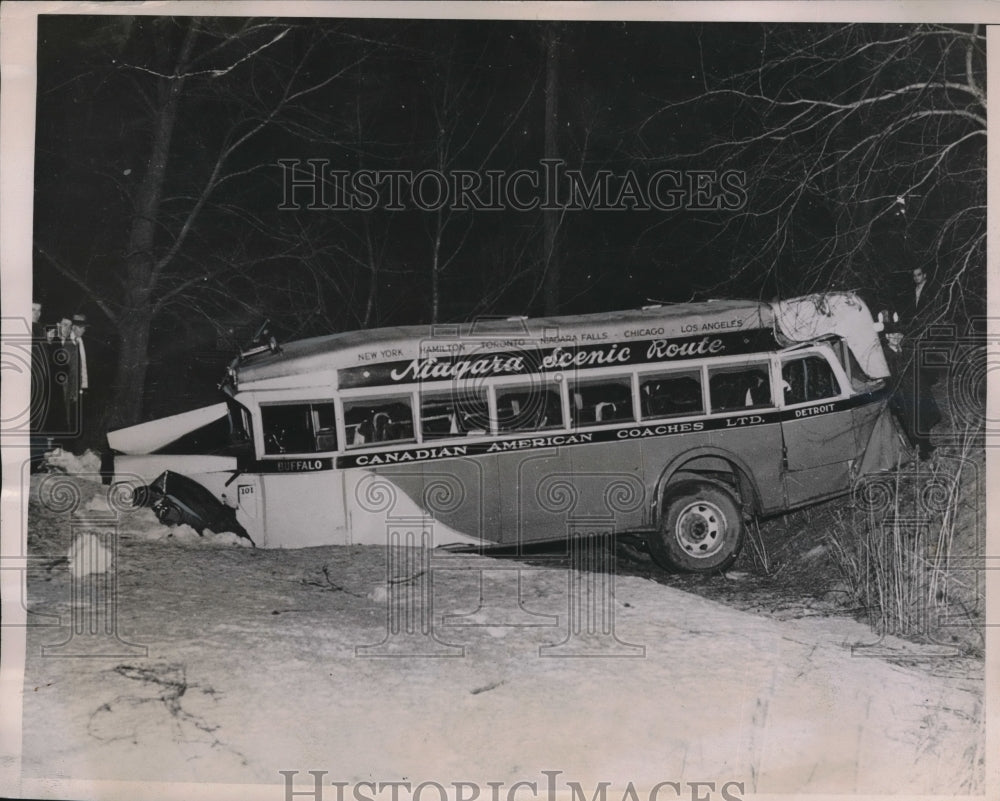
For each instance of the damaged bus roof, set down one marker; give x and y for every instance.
(316, 361)
(337, 361)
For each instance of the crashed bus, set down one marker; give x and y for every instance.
(676, 423)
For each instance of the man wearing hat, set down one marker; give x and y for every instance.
(62, 355)
(79, 365)
(76, 374)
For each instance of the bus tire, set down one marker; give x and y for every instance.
(701, 528)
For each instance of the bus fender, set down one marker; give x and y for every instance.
(745, 484)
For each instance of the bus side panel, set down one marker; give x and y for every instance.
(820, 450)
(249, 509)
(608, 480)
(381, 501)
(759, 447)
(463, 494)
(303, 509)
(754, 448)
(805, 486)
(537, 494)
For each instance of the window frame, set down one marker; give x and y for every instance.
(434, 393)
(309, 401)
(411, 396)
(765, 358)
(659, 370)
(546, 379)
(836, 369)
(624, 378)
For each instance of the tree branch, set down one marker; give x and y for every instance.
(71, 276)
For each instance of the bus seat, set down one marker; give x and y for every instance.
(794, 383)
(362, 433)
(758, 389)
(380, 426)
(326, 439)
(818, 381)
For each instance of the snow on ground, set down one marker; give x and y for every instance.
(234, 663)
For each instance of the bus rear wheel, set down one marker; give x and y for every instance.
(701, 528)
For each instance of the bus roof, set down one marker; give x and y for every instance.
(496, 347)
(314, 362)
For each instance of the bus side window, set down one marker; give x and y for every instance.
(794, 382)
(240, 427)
(808, 379)
(372, 421)
(605, 400)
(299, 428)
(325, 427)
(529, 408)
(746, 386)
(447, 415)
(671, 394)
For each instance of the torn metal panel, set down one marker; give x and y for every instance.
(840, 314)
(886, 448)
(155, 434)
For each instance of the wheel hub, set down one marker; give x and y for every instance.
(701, 529)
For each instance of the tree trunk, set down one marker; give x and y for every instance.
(550, 217)
(130, 375)
(373, 264)
(140, 260)
(436, 270)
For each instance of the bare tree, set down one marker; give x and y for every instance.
(550, 217)
(462, 105)
(226, 84)
(864, 153)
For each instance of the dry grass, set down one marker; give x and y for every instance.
(757, 549)
(908, 547)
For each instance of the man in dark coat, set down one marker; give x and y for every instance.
(914, 399)
(918, 306)
(64, 380)
(79, 380)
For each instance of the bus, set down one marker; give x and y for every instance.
(676, 423)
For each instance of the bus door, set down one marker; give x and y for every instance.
(301, 494)
(243, 491)
(242, 487)
(818, 440)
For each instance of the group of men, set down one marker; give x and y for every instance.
(59, 379)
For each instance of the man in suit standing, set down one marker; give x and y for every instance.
(920, 302)
(78, 382)
(60, 369)
(920, 410)
(68, 363)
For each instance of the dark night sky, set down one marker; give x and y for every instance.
(407, 88)
(612, 75)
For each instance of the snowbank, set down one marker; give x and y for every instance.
(59, 460)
